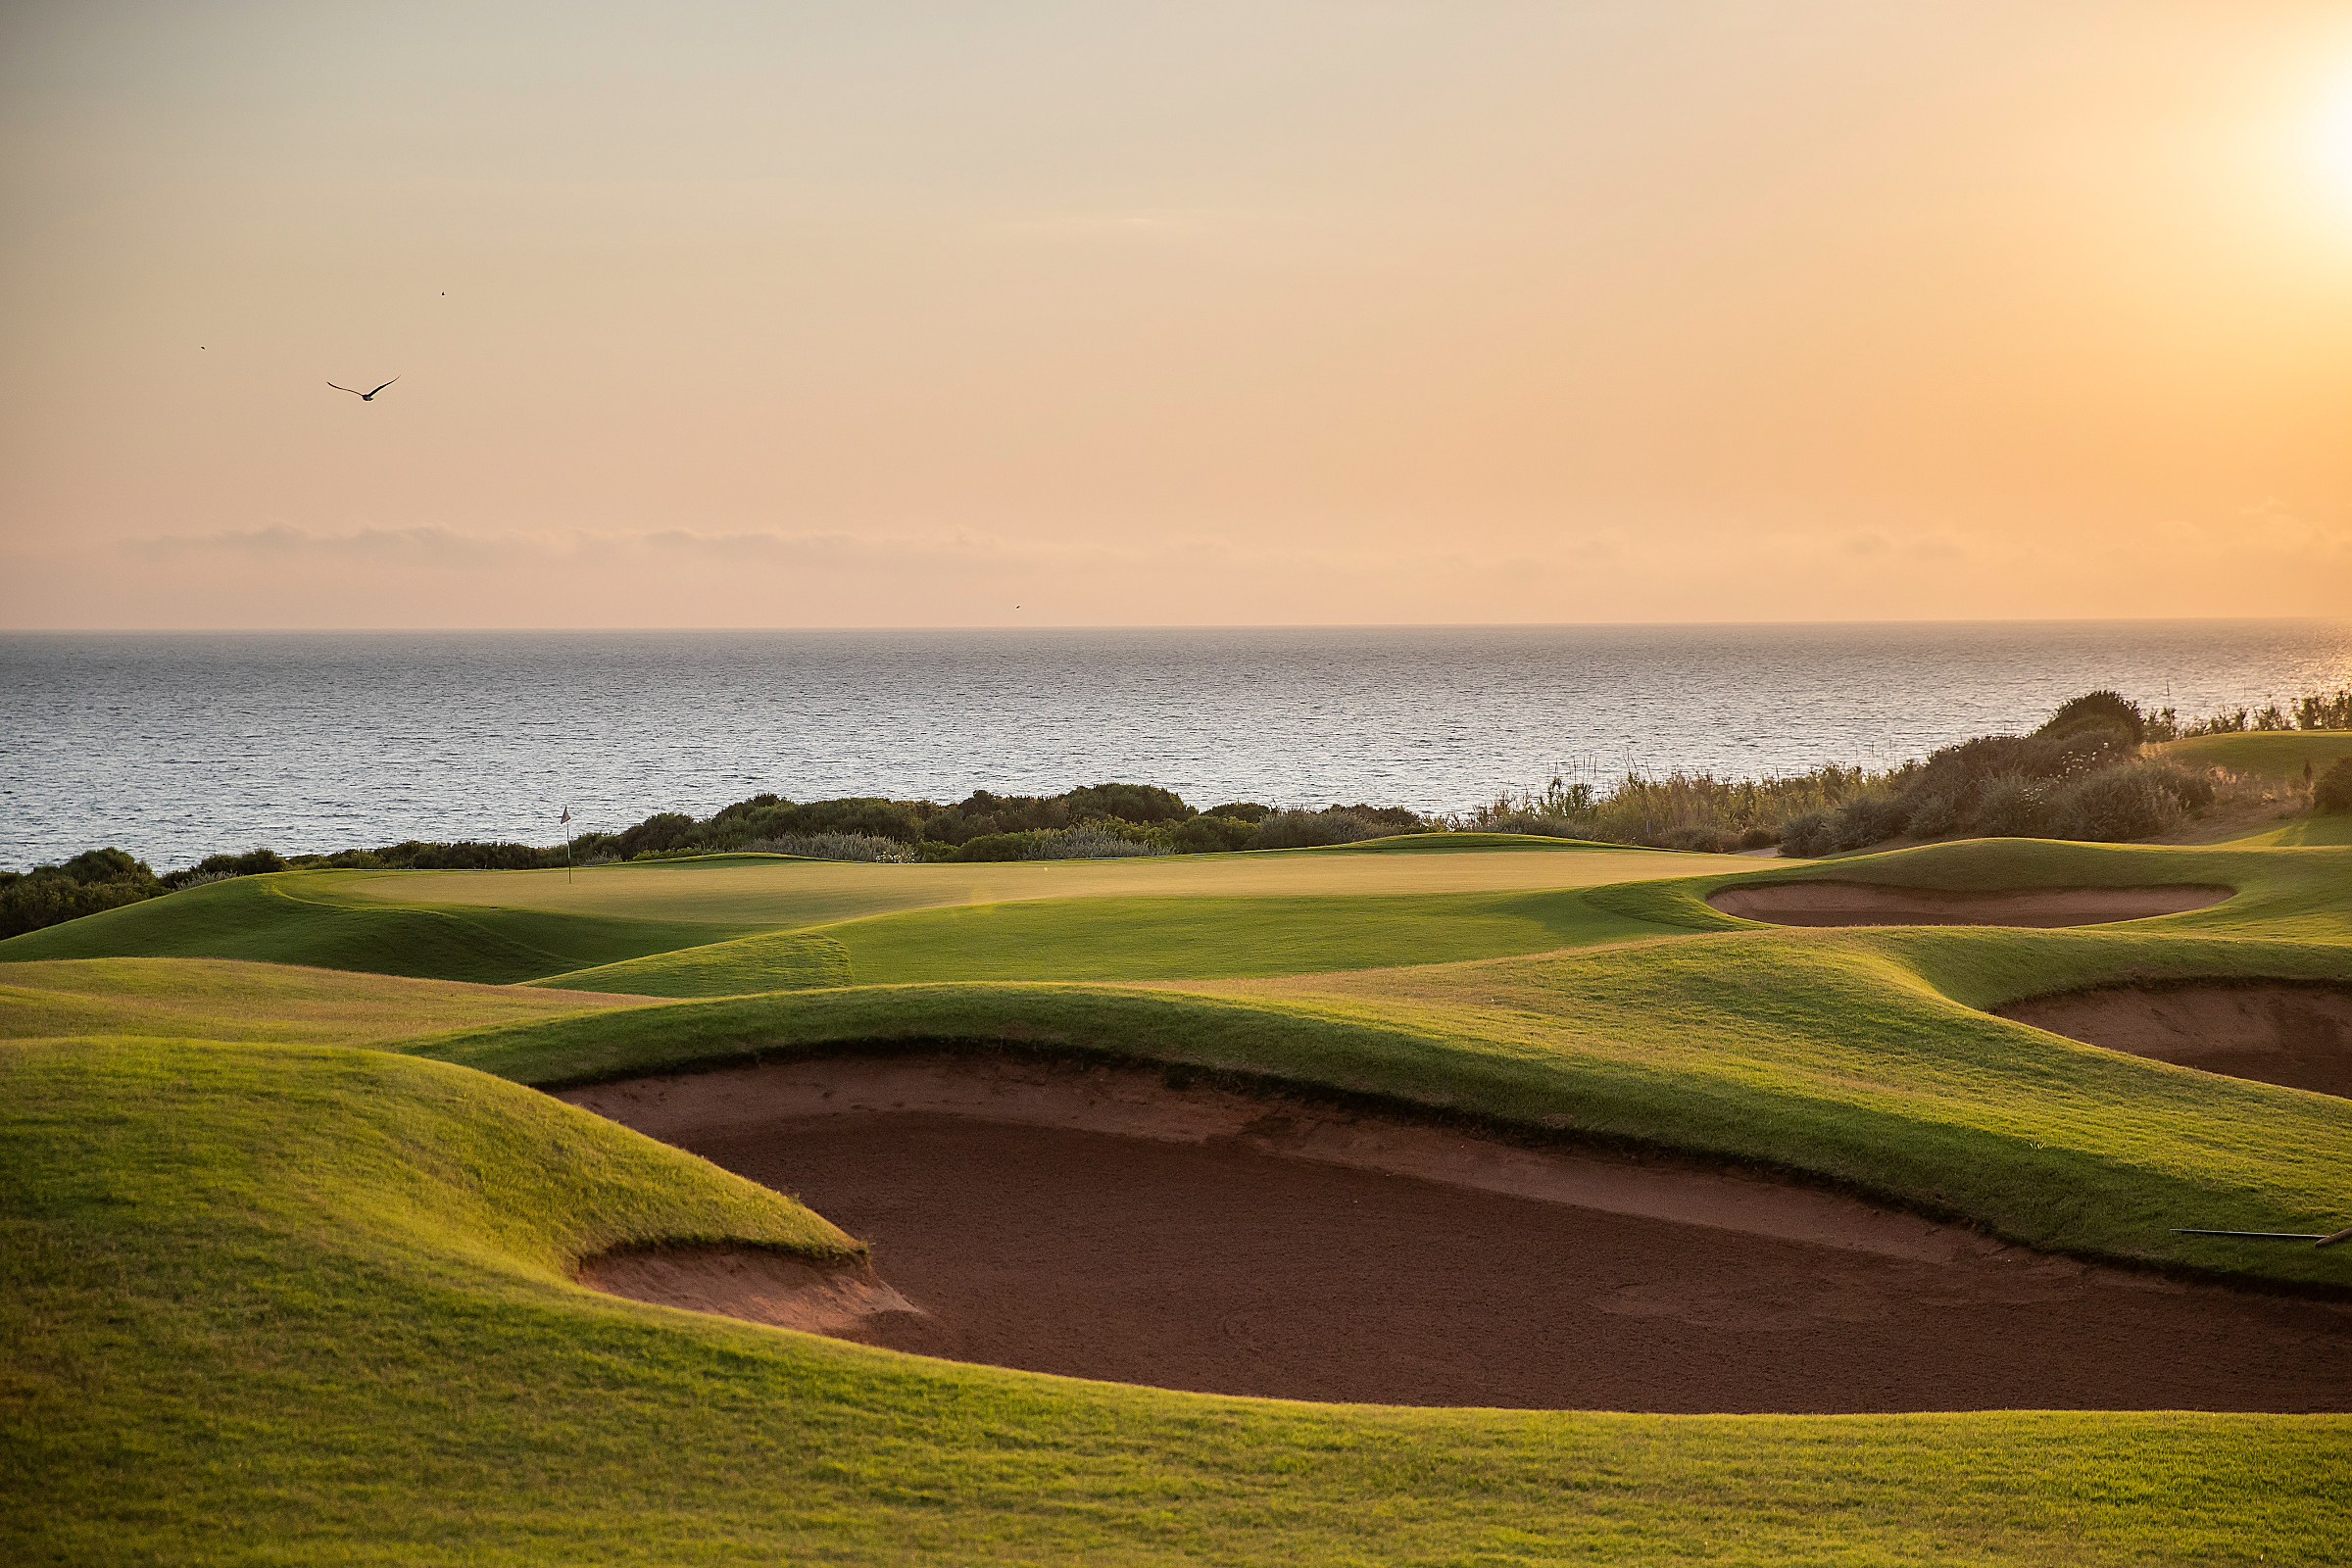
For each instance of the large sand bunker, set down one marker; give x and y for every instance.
(2299, 1035)
(1097, 1222)
(1869, 904)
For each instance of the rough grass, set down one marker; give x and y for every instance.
(271, 1303)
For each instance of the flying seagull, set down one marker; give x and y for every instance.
(364, 397)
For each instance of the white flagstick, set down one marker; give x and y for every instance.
(566, 820)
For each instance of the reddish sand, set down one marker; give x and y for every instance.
(1865, 903)
(1096, 1223)
(2282, 1033)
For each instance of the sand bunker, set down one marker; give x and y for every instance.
(1864, 903)
(746, 1281)
(1097, 1222)
(2299, 1035)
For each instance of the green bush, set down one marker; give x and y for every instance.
(1127, 802)
(2095, 711)
(2333, 790)
(2010, 807)
(2113, 805)
(664, 830)
(996, 847)
(1809, 835)
(2193, 791)
(90, 882)
(1296, 830)
(1871, 819)
(1211, 833)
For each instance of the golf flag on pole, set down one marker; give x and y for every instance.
(565, 820)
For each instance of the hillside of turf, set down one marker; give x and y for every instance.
(503, 927)
(234, 998)
(2305, 896)
(1125, 939)
(309, 918)
(2263, 754)
(275, 1303)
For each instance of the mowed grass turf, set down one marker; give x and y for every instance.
(228, 998)
(285, 1304)
(2266, 753)
(772, 891)
(278, 1301)
(504, 927)
(310, 918)
(1109, 938)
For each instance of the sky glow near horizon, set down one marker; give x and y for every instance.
(1173, 314)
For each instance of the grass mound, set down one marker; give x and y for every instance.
(282, 1299)
(308, 917)
(277, 1303)
(2263, 754)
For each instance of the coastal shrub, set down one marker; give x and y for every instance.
(90, 882)
(253, 862)
(1536, 825)
(1211, 833)
(1089, 843)
(1127, 802)
(664, 830)
(2113, 805)
(2010, 807)
(1297, 830)
(1691, 836)
(2324, 711)
(2093, 711)
(996, 847)
(2193, 792)
(1871, 819)
(1935, 814)
(2332, 791)
(1249, 811)
(1809, 836)
(837, 847)
(466, 855)
(1758, 838)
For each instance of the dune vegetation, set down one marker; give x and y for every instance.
(291, 1237)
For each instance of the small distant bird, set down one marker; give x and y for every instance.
(364, 397)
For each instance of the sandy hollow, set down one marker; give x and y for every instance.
(1869, 904)
(2279, 1032)
(1095, 1221)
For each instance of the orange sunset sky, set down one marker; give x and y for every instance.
(1191, 313)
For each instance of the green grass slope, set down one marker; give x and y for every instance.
(1126, 939)
(272, 1303)
(2303, 895)
(230, 998)
(772, 893)
(311, 918)
(2269, 754)
(772, 961)
(1838, 1055)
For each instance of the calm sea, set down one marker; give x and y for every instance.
(180, 745)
